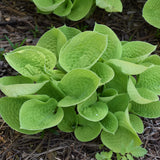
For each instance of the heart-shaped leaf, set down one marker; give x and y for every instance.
(38, 115)
(78, 53)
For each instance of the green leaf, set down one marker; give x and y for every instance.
(50, 58)
(80, 9)
(47, 5)
(64, 9)
(119, 103)
(104, 71)
(150, 79)
(94, 112)
(140, 95)
(151, 12)
(69, 32)
(38, 115)
(53, 40)
(27, 63)
(130, 157)
(9, 110)
(153, 59)
(151, 110)
(78, 85)
(137, 123)
(104, 155)
(69, 121)
(114, 49)
(127, 67)
(109, 123)
(86, 130)
(120, 140)
(108, 94)
(139, 151)
(78, 53)
(110, 5)
(137, 51)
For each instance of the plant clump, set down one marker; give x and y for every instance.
(89, 83)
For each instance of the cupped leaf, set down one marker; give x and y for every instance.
(127, 67)
(119, 103)
(64, 9)
(114, 49)
(38, 115)
(140, 95)
(27, 63)
(69, 120)
(108, 94)
(110, 5)
(9, 110)
(80, 9)
(14, 90)
(86, 130)
(150, 79)
(53, 40)
(78, 53)
(119, 141)
(137, 123)
(50, 58)
(69, 32)
(151, 110)
(151, 12)
(94, 112)
(78, 85)
(104, 71)
(137, 51)
(40, 97)
(109, 123)
(47, 5)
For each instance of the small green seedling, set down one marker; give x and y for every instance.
(89, 83)
(76, 9)
(151, 12)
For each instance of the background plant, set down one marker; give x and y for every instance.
(99, 86)
(76, 9)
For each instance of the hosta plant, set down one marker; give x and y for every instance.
(89, 83)
(76, 9)
(151, 12)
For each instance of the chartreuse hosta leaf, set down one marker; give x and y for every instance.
(127, 67)
(151, 110)
(83, 50)
(69, 122)
(114, 49)
(150, 79)
(140, 95)
(137, 51)
(137, 123)
(64, 9)
(47, 5)
(80, 9)
(78, 85)
(53, 40)
(120, 140)
(104, 71)
(92, 110)
(38, 115)
(153, 59)
(69, 32)
(119, 103)
(151, 12)
(109, 123)
(108, 94)
(86, 130)
(110, 5)
(9, 110)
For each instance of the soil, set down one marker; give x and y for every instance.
(22, 25)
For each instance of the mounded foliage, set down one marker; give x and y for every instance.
(82, 83)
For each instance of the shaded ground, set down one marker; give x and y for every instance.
(19, 23)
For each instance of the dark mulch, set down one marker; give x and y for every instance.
(19, 20)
